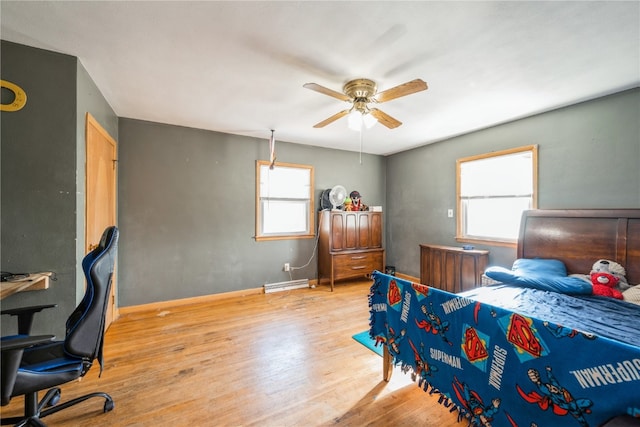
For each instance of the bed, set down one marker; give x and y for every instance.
(507, 355)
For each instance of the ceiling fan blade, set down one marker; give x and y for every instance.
(385, 119)
(404, 89)
(332, 119)
(326, 91)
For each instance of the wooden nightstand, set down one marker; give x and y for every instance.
(452, 269)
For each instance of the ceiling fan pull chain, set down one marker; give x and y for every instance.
(361, 125)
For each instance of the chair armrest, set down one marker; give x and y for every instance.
(21, 342)
(12, 349)
(20, 310)
(25, 316)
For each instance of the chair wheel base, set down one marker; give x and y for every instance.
(51, 400)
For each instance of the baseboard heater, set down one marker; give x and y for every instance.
(285, 286)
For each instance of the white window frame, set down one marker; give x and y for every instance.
(284, 189)
(495, 194)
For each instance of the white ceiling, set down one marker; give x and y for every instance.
(238, 67)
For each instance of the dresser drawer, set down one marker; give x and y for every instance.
(356, 264)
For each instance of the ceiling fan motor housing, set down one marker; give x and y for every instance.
(360, 88)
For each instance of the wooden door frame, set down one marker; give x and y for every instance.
(94, 124)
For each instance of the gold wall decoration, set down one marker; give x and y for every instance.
(19, 100)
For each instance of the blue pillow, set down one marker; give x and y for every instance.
(543, 274)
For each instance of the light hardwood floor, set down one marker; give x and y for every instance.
(281, 359)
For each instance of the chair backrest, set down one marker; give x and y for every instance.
(85, 326)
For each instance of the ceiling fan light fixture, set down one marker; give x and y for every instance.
(354, 120)
(369, 120)
(357, 119)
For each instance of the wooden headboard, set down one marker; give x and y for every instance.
(581, 237)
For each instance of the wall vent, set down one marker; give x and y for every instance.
(285, 286)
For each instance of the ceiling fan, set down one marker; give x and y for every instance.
(361, 93)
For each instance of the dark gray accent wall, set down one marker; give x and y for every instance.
(39, 180)
(40, 169)
(187, 210)
(588, 158)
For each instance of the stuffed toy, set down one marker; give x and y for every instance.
(610, 267)
(357, 202)
(603, 281)
(348, 204)
(614, 268)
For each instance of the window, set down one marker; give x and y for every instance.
(492, 191)
(284, 201)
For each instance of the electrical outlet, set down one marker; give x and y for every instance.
(287, 267)
(449, 213)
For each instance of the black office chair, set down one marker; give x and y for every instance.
(31, 364)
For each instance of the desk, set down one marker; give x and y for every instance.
(33, 282)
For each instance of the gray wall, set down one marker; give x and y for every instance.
(588, 158)
(40, 169)
(187, 210)
(187, 196)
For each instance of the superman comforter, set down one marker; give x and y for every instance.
(545, 360)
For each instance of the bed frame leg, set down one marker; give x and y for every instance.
(387, 363)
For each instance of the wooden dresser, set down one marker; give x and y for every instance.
(450, 268)
(349, 245)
